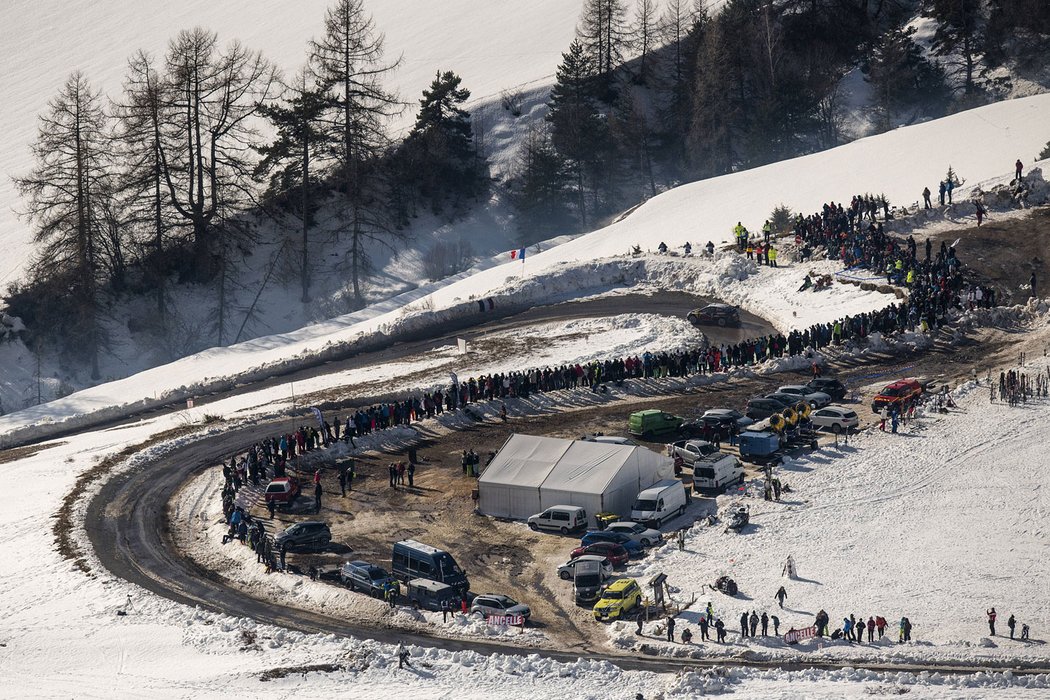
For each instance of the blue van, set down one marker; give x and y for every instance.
(412, 560)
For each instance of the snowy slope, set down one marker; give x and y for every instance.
(492, 45)
(979, 144)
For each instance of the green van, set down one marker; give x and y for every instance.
(653, 422)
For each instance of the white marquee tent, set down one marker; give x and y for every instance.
(532, 473)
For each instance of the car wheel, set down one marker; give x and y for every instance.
(534, 527)
(350, 583)
(564, 530)
(722, 322)
(646, 542)
(564, 575)
(681, 510)
(647, 435)
(836, 428)
(415, 604)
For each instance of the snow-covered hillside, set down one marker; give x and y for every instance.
(493, 46)
(980, 145)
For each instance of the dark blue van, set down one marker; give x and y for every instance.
(412, 560)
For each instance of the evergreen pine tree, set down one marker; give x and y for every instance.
(577, 128)
(958, 38)
(299, 145)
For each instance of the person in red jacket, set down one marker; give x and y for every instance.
(991, 622)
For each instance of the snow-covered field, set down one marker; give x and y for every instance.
(937, 523)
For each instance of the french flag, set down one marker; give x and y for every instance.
(518, 254)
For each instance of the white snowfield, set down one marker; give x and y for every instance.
(979, 144)
(491, 45)
(937, 523)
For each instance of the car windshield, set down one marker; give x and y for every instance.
(294, 529)
(274, 488)
(644, 504)
(448, 564)
(376, 574)
(588, 580)
(612, 595)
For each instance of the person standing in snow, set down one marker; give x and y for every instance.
(743, 624)
(720, 630)
(1011, 623)
(1031, 283)
(710, 248)
(670, 628)
(703, 628)
(754, 623)
(926, 197)
(765, 624)
(781, 595)
(1018, 167)
(317, 497)
(941, 189)
(402, 656)
(991, 621)
(880, 625)
(847, 629)
(949, 186)
(776, 624)
(871, 629)
(980, 213)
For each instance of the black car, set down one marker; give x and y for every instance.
(308, 535)
(832, 387)
(784, 399)
(715, 315)
(362, 576)
(757, 409)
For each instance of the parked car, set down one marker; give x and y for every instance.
(621, 597)
(830, 386)
(715, 473)
(307, 535)
(615, 553)
(785, 400)
(816, 399)
(660, 502)
(835, 418)
(653, 422)
(565, 571)
(564, 519)
(690, 450)
(757, 409)
(726, 419)
(896, 394)
(588, 577)
(645, 536)
(715, 315)
(615, 537)
(495, 604)
(363, 576)
(282, 491)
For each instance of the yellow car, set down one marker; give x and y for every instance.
(621, 597)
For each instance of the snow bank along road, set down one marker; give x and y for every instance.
(673, 304)
(127, 524)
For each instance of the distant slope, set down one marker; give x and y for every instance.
(491, 45)
(979, 144)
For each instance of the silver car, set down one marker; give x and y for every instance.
(566, 570)
(816, 399)
(494, 604)
(835, 418)
(645, 536)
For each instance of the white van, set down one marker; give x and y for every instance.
(661, 501)
(712, 474)
(564, 519)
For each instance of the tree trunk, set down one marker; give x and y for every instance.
(306, 216)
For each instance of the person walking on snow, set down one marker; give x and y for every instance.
(781, 595)
(991, 621)
(776, 624)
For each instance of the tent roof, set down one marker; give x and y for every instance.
(567, 465)
(525, 460)
(588, 467)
